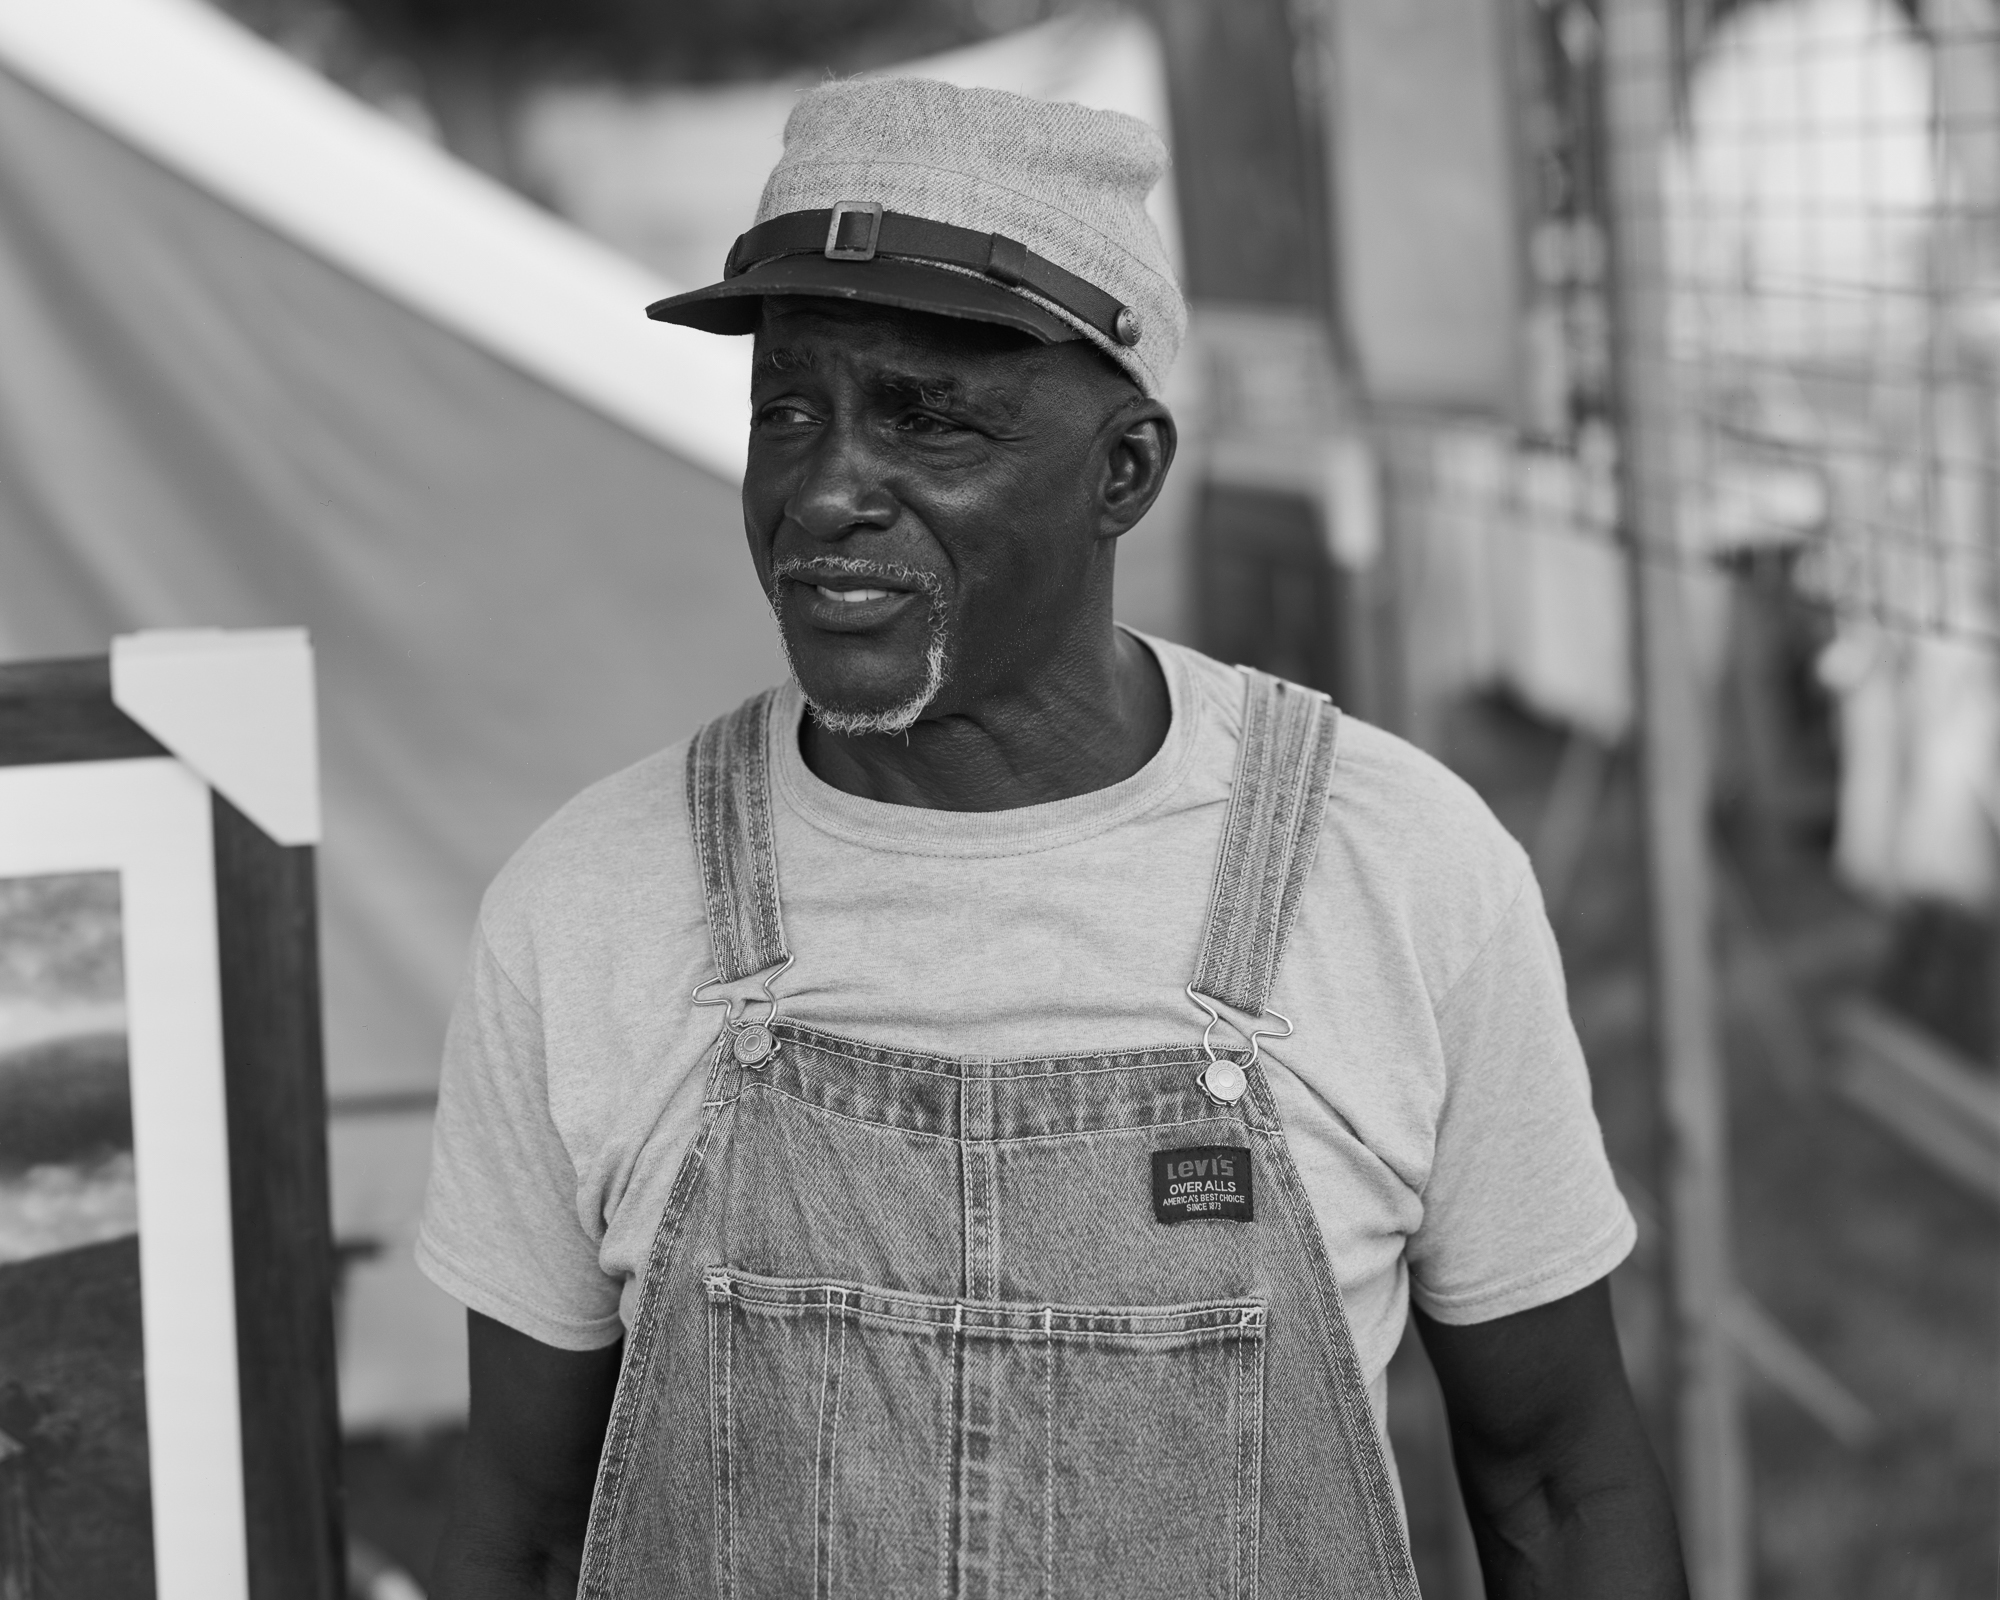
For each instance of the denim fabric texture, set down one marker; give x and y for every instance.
(911, 1328)
(1268, 844)
(729, 790)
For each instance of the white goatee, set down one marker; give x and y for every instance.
(902, 716)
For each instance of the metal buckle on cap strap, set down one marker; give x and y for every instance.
(1222, 1080)
(837, 223)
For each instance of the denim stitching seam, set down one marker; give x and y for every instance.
(954, 1485)
(833, 1348)
(768, 931)
(739, 851)
(967, 1205)
(814, 1106)
(1223, 937)
(834, 1044)
(1169, 1056)
(700, 764)
(1219, 879)
(619, 1431)
(1360, 1424)
(1252, 1531)
(819, 1443)
(833, 1451)
(1201, 1326)
(992, 1162)
(730, 817)
(1308, 824)
(718, 1436)
(729, 1430)
(1236, 1498)
(1048, 1454)
(1270, 839)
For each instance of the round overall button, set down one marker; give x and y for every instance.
(1225, 1081)
(753, 1045)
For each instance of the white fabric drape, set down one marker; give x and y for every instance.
(203, 424)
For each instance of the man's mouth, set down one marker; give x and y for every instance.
(851, 597)
(834, 602)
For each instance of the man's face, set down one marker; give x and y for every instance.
(920, 503)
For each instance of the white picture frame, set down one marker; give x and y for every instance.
(149, 821)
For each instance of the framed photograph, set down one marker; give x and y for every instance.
(168, 1427)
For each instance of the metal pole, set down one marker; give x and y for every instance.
(1285, 568)
(1710, 1456)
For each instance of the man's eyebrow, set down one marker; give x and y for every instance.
(779, 358)
(943, 393)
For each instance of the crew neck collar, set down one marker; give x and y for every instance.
(1019, 830)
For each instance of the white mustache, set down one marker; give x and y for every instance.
(892, 572)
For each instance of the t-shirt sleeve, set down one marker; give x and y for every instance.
(501, 1231)
(1521, 1207)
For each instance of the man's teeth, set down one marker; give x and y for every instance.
(852, 597)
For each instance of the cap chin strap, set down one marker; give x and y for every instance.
(857, 230)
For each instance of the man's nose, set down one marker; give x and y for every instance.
(842, 490)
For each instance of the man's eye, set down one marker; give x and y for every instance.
(926, 422)
(785, 416)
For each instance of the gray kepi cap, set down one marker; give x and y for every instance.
(967, 203)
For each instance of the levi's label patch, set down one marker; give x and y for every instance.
(1210, 1180)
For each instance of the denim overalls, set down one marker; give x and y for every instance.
(964, 1328)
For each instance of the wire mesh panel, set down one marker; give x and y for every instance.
(1832, 287)
(1834, 309)
(1821, 410)
(1744, 520)
(1832, 278)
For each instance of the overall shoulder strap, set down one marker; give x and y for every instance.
(1276, 805)
(729, 814)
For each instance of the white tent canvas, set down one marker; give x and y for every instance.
(270, 360)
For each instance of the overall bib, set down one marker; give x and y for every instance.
(977, 1329)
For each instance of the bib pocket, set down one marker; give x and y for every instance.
(879, 1444)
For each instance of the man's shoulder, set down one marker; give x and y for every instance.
(608, 865)
(1399, 803)
(1412, 848)
(600, 837)
(1402, 796)
(606, 820)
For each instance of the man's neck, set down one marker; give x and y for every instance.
(1093, 720)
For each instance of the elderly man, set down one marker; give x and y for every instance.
(970, 1122)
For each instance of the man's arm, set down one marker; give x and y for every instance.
(523, 1498)
(1566, 1498)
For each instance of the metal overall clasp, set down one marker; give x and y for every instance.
(751, 1042)
(1222, 1080)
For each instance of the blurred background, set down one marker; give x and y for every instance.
(1603, 394)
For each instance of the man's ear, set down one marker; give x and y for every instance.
(1139, 443)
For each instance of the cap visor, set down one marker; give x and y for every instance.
(732, 306)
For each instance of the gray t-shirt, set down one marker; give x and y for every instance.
(1434, 1095)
